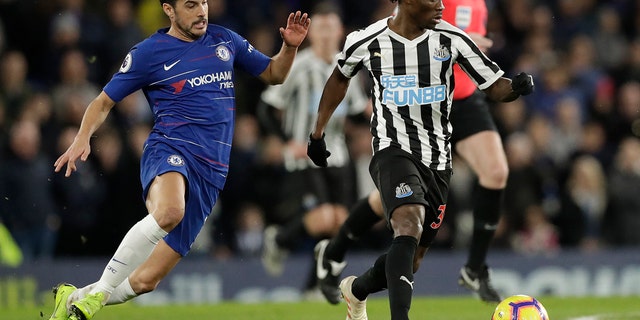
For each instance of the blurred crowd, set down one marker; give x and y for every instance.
(573, 146)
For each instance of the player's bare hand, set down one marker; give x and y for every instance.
(77, 150)
(296, 30)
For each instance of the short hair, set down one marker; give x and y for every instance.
(325, 8)
(171, 2)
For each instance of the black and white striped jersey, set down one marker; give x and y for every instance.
(298, 98)
(413, 85)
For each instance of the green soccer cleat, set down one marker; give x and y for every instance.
(61, 294)
(87, 307)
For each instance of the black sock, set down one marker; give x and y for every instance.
(486, 213)
(399, 271)
(360, 220)
(290, 234)
(372, 281)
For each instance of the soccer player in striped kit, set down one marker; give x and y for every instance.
(186, 72)
(476, 140)
(410, 58)
(309, 210)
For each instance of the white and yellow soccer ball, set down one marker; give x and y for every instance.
(520, 307)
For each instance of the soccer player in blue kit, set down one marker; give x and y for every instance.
(186, 73)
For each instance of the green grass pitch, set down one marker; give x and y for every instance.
(423, 308)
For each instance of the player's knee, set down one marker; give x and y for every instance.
(320, 221)
(375, 202)
(408, 220)
(495, 176)
(169, 216)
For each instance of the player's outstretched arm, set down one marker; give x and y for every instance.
(292, 36)
(94, 116)
(335, 89)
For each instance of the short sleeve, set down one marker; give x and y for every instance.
(132, 75)
(247, 57)
(351, 57)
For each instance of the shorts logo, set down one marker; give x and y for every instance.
(403, 191)
(223, 53)
(175, 160)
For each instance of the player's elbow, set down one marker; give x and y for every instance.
(277, 77)
(273, 76)
(276, 81)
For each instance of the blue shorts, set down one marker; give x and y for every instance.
(201, 195)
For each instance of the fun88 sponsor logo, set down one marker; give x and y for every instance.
(404, 91)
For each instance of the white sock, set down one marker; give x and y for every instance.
(122, 293)
(134, 249)
(79, 294)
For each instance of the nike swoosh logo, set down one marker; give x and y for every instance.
(473, 283)
(168, 67)
(403, 278)
(118, 261)
(336, 267)
(321, 271)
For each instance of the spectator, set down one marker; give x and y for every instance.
(583, 203)
(28, 206)
(123, 32)
(74, 81)
(623, 220)
(78, 199)
(15, 88)
(524, 186)
(538, 236)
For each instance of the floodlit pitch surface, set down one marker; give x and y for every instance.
(423, 308)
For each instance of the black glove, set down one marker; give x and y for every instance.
(317, 151)
(522, 84)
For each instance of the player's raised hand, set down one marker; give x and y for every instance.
(80, 148)
(296, 30)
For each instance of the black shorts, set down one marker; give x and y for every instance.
(306, 189)
(402, 179)
(470, 116)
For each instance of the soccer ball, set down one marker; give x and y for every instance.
(520, 307)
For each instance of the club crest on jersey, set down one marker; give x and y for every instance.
(442, 54)
(222, 52)
(403, 190)
(126, 64)
(175, 160)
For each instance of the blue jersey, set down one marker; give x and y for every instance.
(189, 87)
